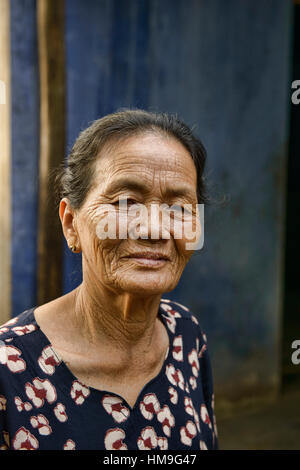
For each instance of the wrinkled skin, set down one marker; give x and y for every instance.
(159, 163)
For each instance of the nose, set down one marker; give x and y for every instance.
(149, 224)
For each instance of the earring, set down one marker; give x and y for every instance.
(73, 248)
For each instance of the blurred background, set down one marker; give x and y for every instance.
(226, 68)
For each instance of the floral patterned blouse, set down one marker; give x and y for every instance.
(43, 406)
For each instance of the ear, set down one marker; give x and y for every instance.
(66, 215)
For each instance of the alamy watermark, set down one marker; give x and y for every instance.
(183, 222)
(296, 354)
(296, 94)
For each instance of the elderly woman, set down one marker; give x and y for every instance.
(113, 365)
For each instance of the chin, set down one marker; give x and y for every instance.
(146, 286)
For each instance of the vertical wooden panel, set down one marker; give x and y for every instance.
(50, 18)
(5, 225)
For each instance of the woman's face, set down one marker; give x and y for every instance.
(149, 169)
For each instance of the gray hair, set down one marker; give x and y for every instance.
(74, 179)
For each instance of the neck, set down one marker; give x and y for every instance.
(124, 320)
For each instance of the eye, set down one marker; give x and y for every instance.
(129, 201)
(178, 210)
(175, 209)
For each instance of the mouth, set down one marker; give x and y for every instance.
(149, 258)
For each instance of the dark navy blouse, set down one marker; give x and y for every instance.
(43, 406)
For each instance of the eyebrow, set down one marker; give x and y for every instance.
(134, 184)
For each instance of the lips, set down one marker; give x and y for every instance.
(150, 255)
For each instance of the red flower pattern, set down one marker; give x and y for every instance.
(79, 392)
(177, 350)
(42, 424)
(113, 406)
(167, 420)
(23, 330)
(69, 445)
(149, 406)
(175, 376)
(114, 439)
(173, 395)
(193, 360)
(60, 412)
(22, 406)
(39, 391)
(10, 356)
(48, 360)
(24, 440)
(187, 433)
(204, 416)
(147, 439)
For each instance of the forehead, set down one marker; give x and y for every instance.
(150, 157)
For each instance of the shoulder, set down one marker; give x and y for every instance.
(189, 337)
(180, 312)
(19, 346)
(20, 325)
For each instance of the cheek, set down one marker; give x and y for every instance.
(184, 254)
(95, 246)
(193, 236)
(186, 232)
(102, 257)
(112, 225)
